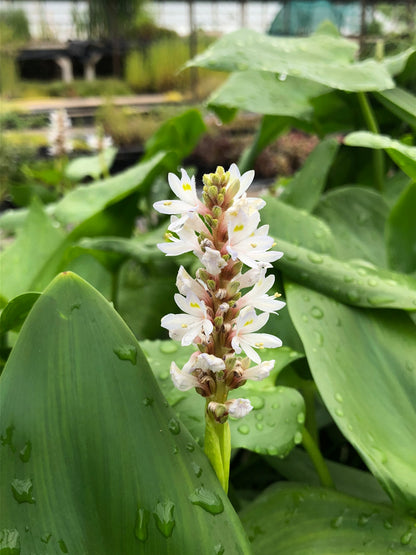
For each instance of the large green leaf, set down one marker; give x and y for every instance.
(300, 520)
(400, 102)
(401, 232)
(14, 313)
(306, 187)
(363, 362)
(357, 218)
(91, 166)
(92, 460)
(264, 93)
(353, 282)
(403, 155)
(273, 427)
(320, 58)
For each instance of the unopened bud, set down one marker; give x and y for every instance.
(212, 192)
(226, 257)
(237, 296)
(202, 274)
(211, 284)
(233, 287)
(220, 199)
(218, 321)
(207, 179)
(219, 411)
(216, 211)
(230, 362)
(205, 197)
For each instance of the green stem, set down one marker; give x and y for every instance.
(317, 459)
(217, 447)
(308, 391)
(378, 155)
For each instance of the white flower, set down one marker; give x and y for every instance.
(244, 339)
(245, 179)
(257, 297)
(59, 141)
(187, 239)
(247, 243)
(259, 372)
(213, 261)
(238, 408)
(183, 379)
(205, 362)
(188, 202)
(99, 142)
(186, 284)
(186, 327)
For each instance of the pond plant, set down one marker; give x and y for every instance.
(105, 447)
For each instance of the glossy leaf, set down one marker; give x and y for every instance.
(14, 313)
(96, 463)
(363, 362)
(91, 166)
(357, 218)
(403, 155)
(401, 232)
(302, 520)
(320, 58)
(305, 188)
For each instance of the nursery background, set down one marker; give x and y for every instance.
(100, 101)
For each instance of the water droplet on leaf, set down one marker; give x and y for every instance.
(301, 418)
(25, 453)
(62, 546)
(243, 429)
(148, 401)
(339, 412)
(377, 300)
(298, 438)
(45, 538)
(315, 258)
(256, 402)
(196, 468)
(174, 426)
(316, 312)
(163, 515)
(126, 352)
(219, 549)
(259, 426)
(168, 348)
(208, 500)
(190, 447)
(339, 398)
(406, 538)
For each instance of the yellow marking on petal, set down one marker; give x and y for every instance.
(186, 187)
(167, 203)
(234, 214)
(254, 245)
(276, 295)
(248, 322)
(260, 345)
(194, 305)
(238, 228)
(184, 325)
(274, 244)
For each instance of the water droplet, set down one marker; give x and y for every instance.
(319, 338)
(23, 490)
(7, 438)
(174, 426)
(339, 397)
(9, 542)
(339, 412)
(306, 298)
(219, 549)
(175, 450)
(388, 524)
(337, 522)
(27, 528)
(208, 500)
(148, 401)
(372, 282)
(126, 352)
(301, 418)
(297, 438)
(353, 297)
(377, 300)
(406, 538)
(164, 376)
(349, 426)
(168, 347)
(259, 426)
(305, 318)
(45, 538)
(391, 282)
(243, 429)
(409, 366)
(316, 312)
(75, 306)
(275, 405)
(315, 257)
(259, 416)
(291, 256)
(196, 468)
(363, 519)
(164, 519)
(256, 402)
(361, 272)
(190, 447)
(348, 279)
(62, 546)
(25, 453)
(142, 524)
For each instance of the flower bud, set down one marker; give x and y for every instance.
(218, 321)
(216, 211)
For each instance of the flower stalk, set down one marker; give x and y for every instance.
(223, 307)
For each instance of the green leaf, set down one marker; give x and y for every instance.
(357, 218)
(363, 362)
(14, 313)
(21, 261)
(307, 185)
(320, 58)
(401, 232)
(353, 282)
(264, 93)
(92, 461)
(395, 64)
(91, 166)
(403, 155)
(318, 521)
(272, 427)
(400, 102)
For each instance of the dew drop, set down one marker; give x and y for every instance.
(126, 352)
(409, 366)
(361, 272)
(168, 347)
(174, 426)
(337, 522)
(219, 549)
(142, 524)
(163, 515)
(339, 412)
(9, 542)
(363, 519)
(23, 490)
(75, 306)
(45, 538)
(305, 318)
(175, 450)
(25, 453)
(291, 256)
(388, 524)
(301, 418)
(196, 468)
(377, 300)
(62, 546)
(148, 401)
(243, 429)
(306, 298)
(372, 282)
(348, 279)
(339, 397)
(7, 438)
(259, 426)
(353, 296)
(406, 538)
(315, 258)
(164, 376)
(208, 500)
(257, 402)
(297, 438)
(259, 416)
(275, 405)
(319, 337)
(316, 312)
(190, 447)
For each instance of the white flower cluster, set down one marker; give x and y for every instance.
(222, 231)
(98, 141)
(58, 135)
